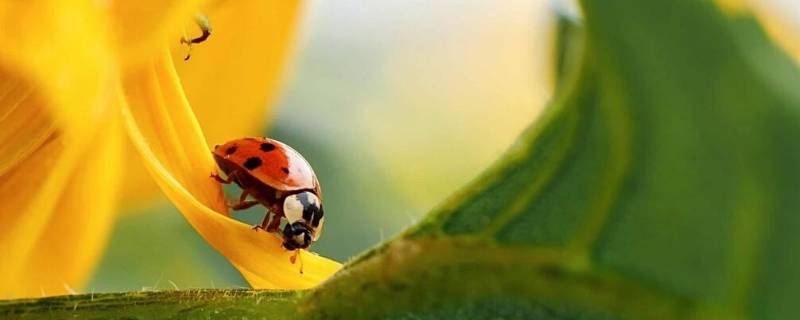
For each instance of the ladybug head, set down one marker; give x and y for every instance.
(303, 211)
(296, 236)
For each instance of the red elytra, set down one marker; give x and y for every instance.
(269, 161)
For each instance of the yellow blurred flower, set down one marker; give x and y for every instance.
(74, 77)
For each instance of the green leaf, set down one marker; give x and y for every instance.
(661, 183)
(185, 304)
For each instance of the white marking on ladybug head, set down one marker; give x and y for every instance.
(318, 229)
(294, 205)
(300, 238)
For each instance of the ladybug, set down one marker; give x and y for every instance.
(278, 177)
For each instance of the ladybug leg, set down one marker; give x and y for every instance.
(275, 224)
(277, 214)
(244, 205)
(297, 257)
(219, 179)
(243, 196)
(263, 224)
(243, 202)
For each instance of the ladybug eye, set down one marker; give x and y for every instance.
(301, 206)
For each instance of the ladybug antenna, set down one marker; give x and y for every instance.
(297, 257)
(300, 257)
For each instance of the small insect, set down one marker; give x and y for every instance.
(205, 27)
(278, 177)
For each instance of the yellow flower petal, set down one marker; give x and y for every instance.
(55, 63)
(160, 123)
(24, 121)
(59, 48)
(234, 75)
(56, 214)
(139, 189)
(18, 190)
(71, 245)
(161, 109)
(232, 78)
(141, 28)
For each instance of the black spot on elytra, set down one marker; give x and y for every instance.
(216, 147)
(267, 147)
(252, 163)
(230, 150)
(285, 170)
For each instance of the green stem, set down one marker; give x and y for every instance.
(177, 304)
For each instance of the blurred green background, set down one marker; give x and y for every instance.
(395, 105)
